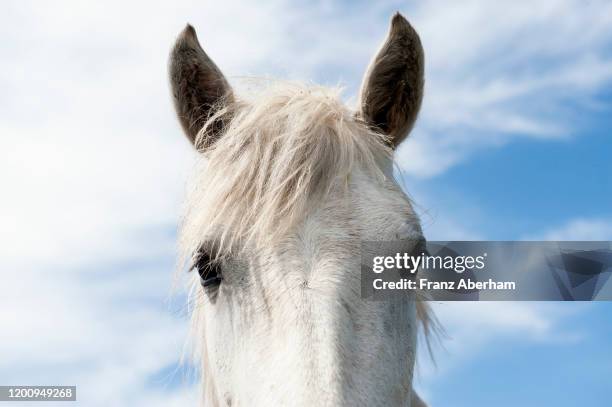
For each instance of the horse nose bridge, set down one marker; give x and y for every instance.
(339, 345)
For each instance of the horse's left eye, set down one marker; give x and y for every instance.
(208, 269)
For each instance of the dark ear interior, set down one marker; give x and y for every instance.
(198, 88)
(392, 88)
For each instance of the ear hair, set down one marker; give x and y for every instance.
(392, 88)
(198, 88)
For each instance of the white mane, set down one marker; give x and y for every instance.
(281, 153)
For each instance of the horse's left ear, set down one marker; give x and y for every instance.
(392, 88)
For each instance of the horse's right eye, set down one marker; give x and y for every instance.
(208, 269)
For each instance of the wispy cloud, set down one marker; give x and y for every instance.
(501, 70)
(471, 328)
(583, 229)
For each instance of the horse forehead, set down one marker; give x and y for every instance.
(373, 213)
(329, 238)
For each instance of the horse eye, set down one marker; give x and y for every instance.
(208, 269)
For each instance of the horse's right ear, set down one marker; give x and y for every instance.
(392, 88)
(198, 88)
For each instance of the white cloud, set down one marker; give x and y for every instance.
(498, 70)
(472, 328)
(104, 330)
(579, 230)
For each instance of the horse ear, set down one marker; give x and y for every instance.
(198, 88)
(392, 88)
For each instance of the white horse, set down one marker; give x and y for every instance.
(289, 183)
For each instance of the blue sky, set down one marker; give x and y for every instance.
(518, 371)
(513, 142)
(518, 189)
